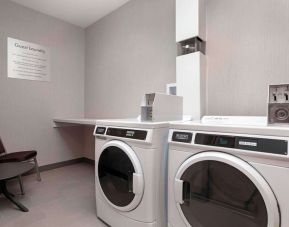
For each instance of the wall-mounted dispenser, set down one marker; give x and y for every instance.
(191, 45)
(278, 104)
(161, 107)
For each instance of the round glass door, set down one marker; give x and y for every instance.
(120, 176)
(220, 190)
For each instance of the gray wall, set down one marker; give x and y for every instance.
(134, 47)
(128, 53)
(248, 48)
(28, 107)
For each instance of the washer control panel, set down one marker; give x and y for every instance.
(121, 132)
(127, 133)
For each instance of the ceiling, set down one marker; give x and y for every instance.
(82, 12)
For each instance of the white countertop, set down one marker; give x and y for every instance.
(59, 122)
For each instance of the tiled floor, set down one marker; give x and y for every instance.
(64, 198)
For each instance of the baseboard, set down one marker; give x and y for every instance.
(88, 160)
(62, 164)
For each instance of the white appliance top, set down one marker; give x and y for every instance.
(137, 123)
(133, 123)
(257, 128)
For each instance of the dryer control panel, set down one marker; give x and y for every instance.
(273, 146)
(235, 141)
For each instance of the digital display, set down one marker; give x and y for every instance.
(215, 140)
(127, 133)
(225, 141)
(100, 130)
(183, 137)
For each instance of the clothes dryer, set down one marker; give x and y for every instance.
(130, 172)
(228, 176)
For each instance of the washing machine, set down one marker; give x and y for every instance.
(228, 176)
(130, 172)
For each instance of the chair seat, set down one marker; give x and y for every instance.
(18, 156)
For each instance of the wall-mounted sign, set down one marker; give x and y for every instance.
(27, 60)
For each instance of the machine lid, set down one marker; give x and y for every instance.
(120, 176)
(217, 189)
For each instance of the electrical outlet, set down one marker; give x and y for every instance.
(279, 93)
(278, 106)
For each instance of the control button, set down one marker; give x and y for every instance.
(183, 137)
(100, 130)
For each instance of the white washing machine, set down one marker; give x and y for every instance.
(130, 162)
(228, 176)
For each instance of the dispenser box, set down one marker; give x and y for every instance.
(191, 83)
(278, 104)
(279, 93)
(161, 107)
(190, 19)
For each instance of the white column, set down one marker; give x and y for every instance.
(190, 19)
(191, 83)
(191, 66)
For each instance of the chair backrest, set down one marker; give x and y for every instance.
(2, 148)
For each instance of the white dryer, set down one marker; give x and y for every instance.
(228, 176)
(130, 162)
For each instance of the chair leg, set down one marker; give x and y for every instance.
(21, 185)
(37, 169)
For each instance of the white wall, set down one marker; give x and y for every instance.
(132, 51)
(247, 49)
(129, 53)
(28, 107)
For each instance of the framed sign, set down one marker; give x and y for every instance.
(28, 61)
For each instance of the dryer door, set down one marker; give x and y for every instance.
(214, 189)
(120, 176)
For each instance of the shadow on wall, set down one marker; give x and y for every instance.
(72, 139)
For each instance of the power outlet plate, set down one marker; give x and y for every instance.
(278, 104)
(279, 93)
